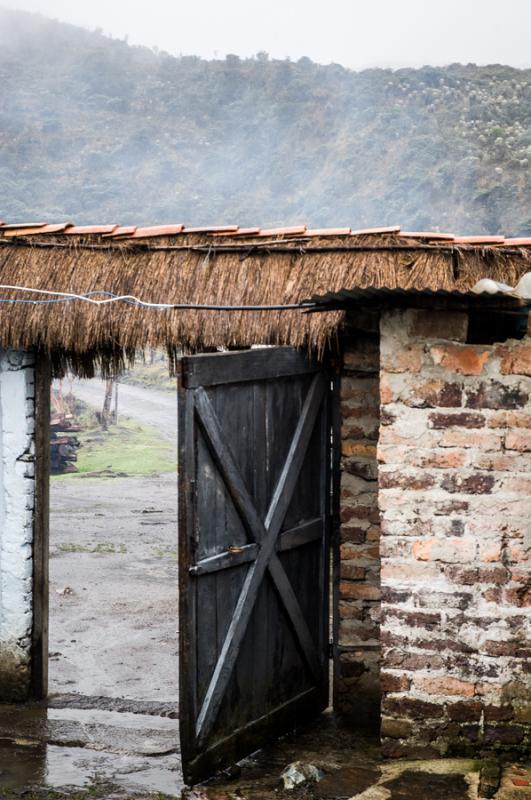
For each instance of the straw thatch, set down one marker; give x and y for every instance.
(203, 270)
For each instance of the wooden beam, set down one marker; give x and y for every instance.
(288, 540)
(210, 369)
(39, 644)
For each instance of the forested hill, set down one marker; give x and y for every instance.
(94, 130)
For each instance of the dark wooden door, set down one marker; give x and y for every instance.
(254, 456)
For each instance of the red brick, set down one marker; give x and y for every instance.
(407, 359)
(445, 686)
(356, 591)
(509, 419)
(460, 358)
(496, 395)
(464, 711)
(483, 440)
(430, 324)
(518, 440)
(411, 708)
(394, 683)
(477, 483)
(515, 360)
(400, 480)
(462, 419)
(396, 728)
(352, 572)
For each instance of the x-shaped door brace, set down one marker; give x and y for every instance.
(265, 533)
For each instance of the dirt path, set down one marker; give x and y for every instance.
(149, 406)
(113, 587)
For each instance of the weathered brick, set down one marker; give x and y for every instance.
(464, 711)
(522, 714)
(362, 449)
(352, 572)
(496, 395)
(357, 591)
(509, 419)
(430, 324)
(363, 356)
(478, 483)
(497, 575)
(498, 713)
(466, 360)
(396, 728)
(413, 661)
(411, 708)
(353, 533)
(446, 685)
(478, 439)
(518, 440)
(461, 419)
(394, 683)
(503, 734)
(446, 550)
(400, 480)
(416, 619)
(408, 359)
(516, 359)
(466, 576)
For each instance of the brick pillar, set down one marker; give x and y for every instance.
(356, 689)
(455, 498)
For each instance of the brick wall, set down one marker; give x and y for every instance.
(357, 690)
(455, 501)
(17, 449)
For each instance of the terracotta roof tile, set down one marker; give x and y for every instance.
(21, 229)
(240, 232)
(227, 229)
(328, 232)
(32, 230)
(521, 242)
(431, 235)
(121, 231)
(157, 230)
(479, 239)
(292, 230)
(369, 231)
(14, 225)
(84, 230)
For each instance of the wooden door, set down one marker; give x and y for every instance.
(254, 486)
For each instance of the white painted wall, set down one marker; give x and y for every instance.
(17, 450)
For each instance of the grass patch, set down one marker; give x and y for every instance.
(128, 448)
(151, 376)
(104, 548)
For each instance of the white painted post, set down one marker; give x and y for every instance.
(17, 503)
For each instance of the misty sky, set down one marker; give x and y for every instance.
(355, 33)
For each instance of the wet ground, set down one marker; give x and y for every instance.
(111, 731)
(116, 755)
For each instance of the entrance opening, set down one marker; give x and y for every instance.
(113, 648)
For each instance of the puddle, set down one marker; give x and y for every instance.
(58, 748)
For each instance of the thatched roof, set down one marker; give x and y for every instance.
(226, 266)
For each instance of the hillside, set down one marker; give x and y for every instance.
(94, 130)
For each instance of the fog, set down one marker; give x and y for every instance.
(349, 32)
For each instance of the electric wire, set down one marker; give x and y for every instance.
(54, 297)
